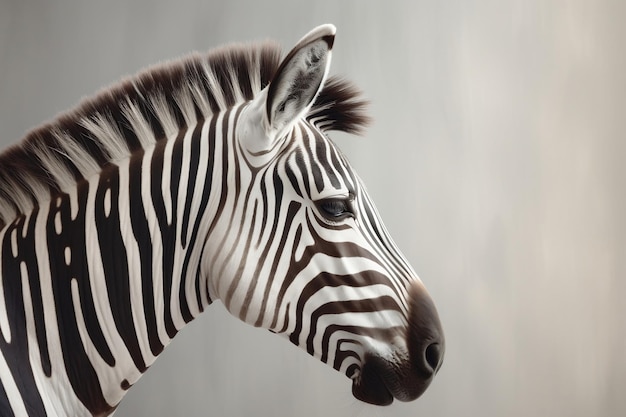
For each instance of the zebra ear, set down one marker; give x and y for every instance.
(299, 79)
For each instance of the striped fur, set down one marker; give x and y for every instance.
(196, 182)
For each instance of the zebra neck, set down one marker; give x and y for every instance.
(110, 273)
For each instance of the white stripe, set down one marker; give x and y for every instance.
(4, 319)
(381, 319)
(124, 365)
(14, 247)
(58, 225)
(374, 320)
(134, 265)
(166, 179)
(107, 202)
(157, 248)
(112, 395)
(34, 354)
(179, 256)
(203, 175)
(68, 255)
(58, 382)
(347, 346)
(13, 394)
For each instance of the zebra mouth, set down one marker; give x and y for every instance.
(370, 388)
(380, 381)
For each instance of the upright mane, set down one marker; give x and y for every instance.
(148, 107)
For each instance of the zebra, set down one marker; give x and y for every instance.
(207, 178)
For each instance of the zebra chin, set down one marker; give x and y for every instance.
(405, 371)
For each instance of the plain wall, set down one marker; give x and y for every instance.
(495, 159)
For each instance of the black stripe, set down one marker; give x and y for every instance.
(16, 352)
(304, 172)
(369, 305)
(335, 163)
(168, 231)
(193, 164)
(309, 145)
(182, 296)
(80, 371)
(5, 405)
(375, 333)
(224, 195)
(292, 210)
(29, 257)
(325, 280)
(321, 148)
(240, 269)
(224, 174)
(264, 209)
(291, 176)
(206, 193)
(268, 243)
(115, 262)
(141, 231)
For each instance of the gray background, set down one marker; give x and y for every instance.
(495, 159)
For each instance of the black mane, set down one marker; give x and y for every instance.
(143, 109)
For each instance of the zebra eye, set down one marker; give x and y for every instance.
(335, 208)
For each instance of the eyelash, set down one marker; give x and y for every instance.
(335, 209)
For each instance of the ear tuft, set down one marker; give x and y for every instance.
(299, 78)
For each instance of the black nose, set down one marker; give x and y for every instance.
(405, 377)
(425, 335)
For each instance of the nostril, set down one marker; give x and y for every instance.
(433, 356)
(425, 336)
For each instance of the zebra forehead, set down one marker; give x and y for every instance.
(320, 164)
(148, 107)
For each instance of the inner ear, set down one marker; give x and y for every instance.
(299, 79)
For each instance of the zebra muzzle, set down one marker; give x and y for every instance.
(408, 370)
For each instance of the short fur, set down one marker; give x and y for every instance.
(151, 106)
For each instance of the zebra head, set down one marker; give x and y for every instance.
(327, 275)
